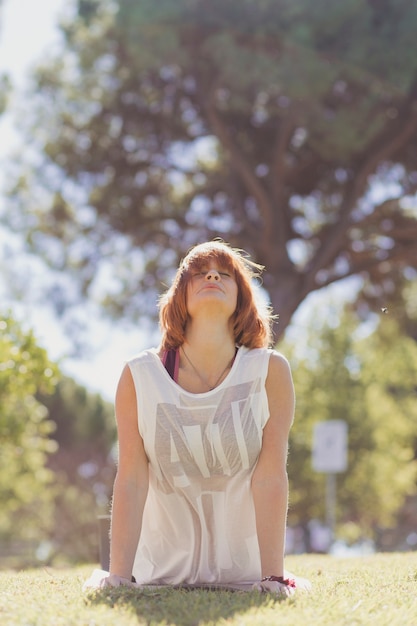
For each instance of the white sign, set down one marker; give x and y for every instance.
(330, 446)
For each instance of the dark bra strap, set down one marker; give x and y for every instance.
(171, 361)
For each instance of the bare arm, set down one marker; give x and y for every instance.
(131, 483)
(270, 481)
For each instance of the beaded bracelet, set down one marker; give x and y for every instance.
(289, 582)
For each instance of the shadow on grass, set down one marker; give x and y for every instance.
(181, 607)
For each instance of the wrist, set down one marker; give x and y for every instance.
(121, 576)
(288, 582)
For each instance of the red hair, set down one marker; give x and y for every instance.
(252, 322)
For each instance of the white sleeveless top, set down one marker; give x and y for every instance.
(199, 519)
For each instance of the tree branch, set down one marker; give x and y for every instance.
(406, 254)
(388, 146)
(278, 169)
(279, 152)
(244, 169)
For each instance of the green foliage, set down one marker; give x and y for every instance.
(370, 382)
(83, 420)
(268, 123)
(84, 468)
(25, 434)
(56, 464)
(4, 92)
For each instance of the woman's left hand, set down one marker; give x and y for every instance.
(113, 580)
(285, 589)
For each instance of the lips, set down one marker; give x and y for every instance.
(211, 287)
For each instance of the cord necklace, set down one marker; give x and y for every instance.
(203, 380)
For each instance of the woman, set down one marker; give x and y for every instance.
(201, 492)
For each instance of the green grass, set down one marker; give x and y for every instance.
(376, 590)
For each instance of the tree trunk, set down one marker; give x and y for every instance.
(286, 295)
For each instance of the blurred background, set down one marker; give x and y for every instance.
(130, 131)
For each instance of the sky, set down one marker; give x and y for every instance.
(28, 29)
(28, 33)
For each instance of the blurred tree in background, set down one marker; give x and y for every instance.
(4, 91)
(26, 484)
(287, 127)
(4, 80)
(367, 378)
(84, 468)
(57, 461)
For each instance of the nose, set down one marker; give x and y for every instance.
(213, 275)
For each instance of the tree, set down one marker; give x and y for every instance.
(288, 128)
(84, 422)
(57, 460)
(26, 490)
(4, 80)
(367, 379)
(4, 91)
(84, 469)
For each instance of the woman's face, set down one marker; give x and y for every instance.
(212, 288)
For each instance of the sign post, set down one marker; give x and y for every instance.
(330, 457)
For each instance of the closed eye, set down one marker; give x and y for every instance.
(204, 273)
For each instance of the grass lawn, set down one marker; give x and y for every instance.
(375, 590)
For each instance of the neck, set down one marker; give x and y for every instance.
(211, 341)
(206, 356)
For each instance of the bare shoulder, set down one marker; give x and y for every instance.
(125, 402)
(280, 389)
(131, 448)
(125, 384)
(279, 367)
